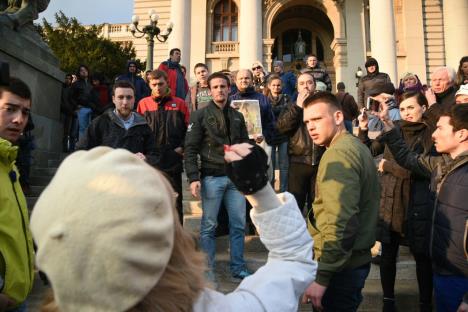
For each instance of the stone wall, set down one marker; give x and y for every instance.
(32, 61)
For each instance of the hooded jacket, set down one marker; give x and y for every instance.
(369, 81)
(16, 245)
(141, 89)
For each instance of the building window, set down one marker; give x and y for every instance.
(225, 23)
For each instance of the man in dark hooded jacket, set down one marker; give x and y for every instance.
(369, 81)
(141, 89)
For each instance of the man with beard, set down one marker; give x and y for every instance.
(121, 127)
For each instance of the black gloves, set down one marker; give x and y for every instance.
(249, 175)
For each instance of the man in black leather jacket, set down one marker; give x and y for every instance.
(304, 155)
(209, 130)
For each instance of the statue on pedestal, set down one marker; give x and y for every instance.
(18, 13)
(299, 48)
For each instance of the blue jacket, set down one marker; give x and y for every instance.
(267, 117)
(288, 80)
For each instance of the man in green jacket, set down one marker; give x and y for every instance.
(345, 208)
(16, 246)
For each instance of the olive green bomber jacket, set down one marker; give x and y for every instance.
(346, 207)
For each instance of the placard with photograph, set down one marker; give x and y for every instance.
(251, 111)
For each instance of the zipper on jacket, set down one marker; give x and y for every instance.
(13, 178)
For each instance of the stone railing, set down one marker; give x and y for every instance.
(225, 47)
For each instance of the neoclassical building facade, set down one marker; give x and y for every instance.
(403, 35)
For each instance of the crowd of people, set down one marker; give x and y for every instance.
(339, 190)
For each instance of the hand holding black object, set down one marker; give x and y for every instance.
(247, 167)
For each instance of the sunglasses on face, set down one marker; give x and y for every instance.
(258, 67)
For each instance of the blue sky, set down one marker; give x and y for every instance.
(91, 11)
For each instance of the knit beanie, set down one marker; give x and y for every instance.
(104, 228)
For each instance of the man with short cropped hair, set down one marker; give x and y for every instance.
(121, 127)
(175, 73)
(209, 130)
(167, 117)
(345, 208)
(319, 73)
(449, 183)
(199, 94)
(304, 155)
(16, 245)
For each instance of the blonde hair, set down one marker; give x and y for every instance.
(182, 280)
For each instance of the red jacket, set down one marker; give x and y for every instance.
(172, 78)
(171, 103)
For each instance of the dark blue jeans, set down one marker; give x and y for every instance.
(449, 291)
(344, 291)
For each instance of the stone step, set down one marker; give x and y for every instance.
(46, 172)
(31, 201)
(36, 190)
(192, 207)
(54, 163)
(39, 180)
(406, 289)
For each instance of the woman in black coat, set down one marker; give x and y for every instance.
(406, 206)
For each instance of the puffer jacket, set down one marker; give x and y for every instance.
(108, 130)
(266, 114)
(301, 149)
(406, 206)
(16, 245)
(211, 128)
(449, 186)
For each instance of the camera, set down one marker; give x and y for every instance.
(371, 104)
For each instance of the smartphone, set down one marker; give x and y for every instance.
(369, 103)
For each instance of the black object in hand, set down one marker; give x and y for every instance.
(249, 175)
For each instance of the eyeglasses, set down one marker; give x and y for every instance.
(258, 67)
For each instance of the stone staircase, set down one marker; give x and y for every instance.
(406, 289)
(255, 253)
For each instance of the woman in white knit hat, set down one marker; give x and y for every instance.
(109, 239)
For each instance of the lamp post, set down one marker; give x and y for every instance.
(150, 31)
(358, 75)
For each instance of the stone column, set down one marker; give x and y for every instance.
(455, 31)
(250, 33)
(180, 36)
(383, 42)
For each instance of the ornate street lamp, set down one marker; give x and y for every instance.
(150, 31)
(358, 75)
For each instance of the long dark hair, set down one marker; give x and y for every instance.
(460, 75)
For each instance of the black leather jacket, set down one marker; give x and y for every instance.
(210, 128)
(301, 149)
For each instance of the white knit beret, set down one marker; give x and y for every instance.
(105, 230)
